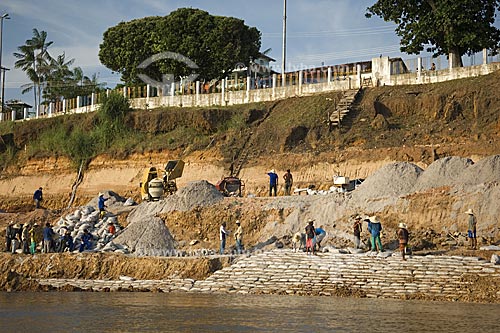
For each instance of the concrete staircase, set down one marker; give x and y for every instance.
(344, 106)
(287, 272)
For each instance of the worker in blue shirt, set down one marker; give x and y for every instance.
(320, 235)
(273, 182)
(100, 205)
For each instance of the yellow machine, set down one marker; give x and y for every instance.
(156, 182)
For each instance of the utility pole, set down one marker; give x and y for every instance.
(283, 60)
(2, 77)
(2, 73)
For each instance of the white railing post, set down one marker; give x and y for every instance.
(13, 113)
(451, 59)
(125, 91)
(108, 92)
(275, 82)
(247, 95)
(329, 75)
(358, 75)
(485, 56)
(25, 114)
(223, 92)
(419, 70)
(64, 105)
(37, 111)
(51, 109)
(301, 81)
(197, 88)
(92, 99)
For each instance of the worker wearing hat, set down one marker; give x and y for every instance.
(238, 236)
(471, 232)
(9, 234)
(374, 227)
(273, 182)
(310, 236)
(100, 205)
(357, 228)
(34, 238)
(403, 239)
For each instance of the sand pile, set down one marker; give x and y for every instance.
(392, 180)
(148, 237)
(195, 194)
(443, 172)
(485, 171)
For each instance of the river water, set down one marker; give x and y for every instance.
(179, 312)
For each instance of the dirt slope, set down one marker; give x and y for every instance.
(415, 124)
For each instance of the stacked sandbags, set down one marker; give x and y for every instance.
(87, 217)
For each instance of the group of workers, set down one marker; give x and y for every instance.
(273, 182)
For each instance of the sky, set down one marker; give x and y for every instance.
(318, 31)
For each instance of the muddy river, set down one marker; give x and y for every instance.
(158, 312)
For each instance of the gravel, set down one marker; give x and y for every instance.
(443, 172)
(148, 237)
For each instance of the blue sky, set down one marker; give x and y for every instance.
(329, 31)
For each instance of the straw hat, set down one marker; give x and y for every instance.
(237, 221)
(402, 225)
(272, 171)
(374, 219)
(358, 217)
(310, 221)
(17, 226)
(100, 193)
(470, 212)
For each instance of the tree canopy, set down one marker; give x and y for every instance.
(442, 26)
(214, 43)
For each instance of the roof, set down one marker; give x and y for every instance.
(17, 104)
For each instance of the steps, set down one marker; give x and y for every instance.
(343, 107)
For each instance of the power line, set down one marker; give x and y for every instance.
(332, 33)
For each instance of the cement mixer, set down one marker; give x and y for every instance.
(156, 183)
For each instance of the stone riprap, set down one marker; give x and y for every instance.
(287, 272)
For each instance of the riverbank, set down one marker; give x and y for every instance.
(284, 272)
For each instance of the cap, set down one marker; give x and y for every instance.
(237, 221)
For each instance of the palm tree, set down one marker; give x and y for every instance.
(59, 78)
(34, 59)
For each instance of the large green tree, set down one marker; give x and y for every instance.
(214, 43)
(455, 27)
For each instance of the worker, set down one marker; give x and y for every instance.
(38, 197)
(273, 182)
(86, 240)
(238, 236)
(320, 235)
(100, 205)
(288, 181)
(223, 233)
(403, 239)
(33, 238)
